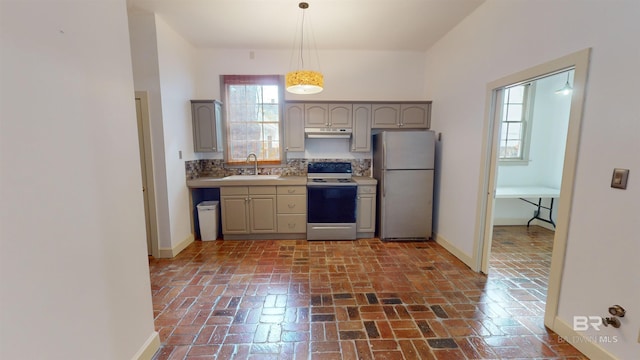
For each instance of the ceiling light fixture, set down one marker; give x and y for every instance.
(303, 81)
(566, 89)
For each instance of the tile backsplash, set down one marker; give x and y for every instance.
(295, 167)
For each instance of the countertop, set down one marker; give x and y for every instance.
(216, 182)
(364, 180)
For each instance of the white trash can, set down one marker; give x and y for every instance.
(208, 218)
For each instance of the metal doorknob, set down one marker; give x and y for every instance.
(617, 310)
(613, 321)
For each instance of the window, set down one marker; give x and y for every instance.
(253, 104)
(515, 125)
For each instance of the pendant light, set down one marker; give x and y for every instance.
(303, 81)
(566, 89)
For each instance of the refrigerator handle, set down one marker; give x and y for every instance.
(384, 166)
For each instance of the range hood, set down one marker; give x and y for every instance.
(327, 133)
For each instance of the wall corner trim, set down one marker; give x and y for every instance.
(176, 249)
(454, 250)
(149, 348)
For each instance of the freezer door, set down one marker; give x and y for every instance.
(408, 149)
(406, 205)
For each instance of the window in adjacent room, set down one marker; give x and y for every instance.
(515, 133)
(253, 118)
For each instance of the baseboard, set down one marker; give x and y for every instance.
(509, 221)
(521, 222)
(149, 348)
(543, 224)
(176, 249)
(278, 236)
(587, 346)
(454, 250)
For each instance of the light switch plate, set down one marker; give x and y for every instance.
(619, 178)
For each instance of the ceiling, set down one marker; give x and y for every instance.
(391, 25)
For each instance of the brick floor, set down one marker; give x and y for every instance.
(363, 299)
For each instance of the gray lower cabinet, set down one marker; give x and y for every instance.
(264, 212)
(292, 210)
(207, 125)
(248, 210)
(366, 211)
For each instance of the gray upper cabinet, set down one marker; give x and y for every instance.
(385, 116)
(327, 115)
(207, 125)
(294, 127)
(340, 115)
(361, 138)
(415, 115)
(401, 116)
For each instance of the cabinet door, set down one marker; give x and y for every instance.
(235, 219)
(294, 127)
(415, 116)
(385, 116)
(366, 221)
(361, 138)
(316, 115)
(340, 115)
(262, 214)
(207, 135)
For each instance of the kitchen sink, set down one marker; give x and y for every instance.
(251, 177)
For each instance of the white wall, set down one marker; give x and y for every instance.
(176, 62)
(146, 77)
(348, 76)
(73, 264)
(550, 121)
(164, 65)
(602, 243)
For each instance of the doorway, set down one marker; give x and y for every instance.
(146, 169)
(579, 62)
(534, 118)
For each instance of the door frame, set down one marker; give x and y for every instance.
(579, 62)
(148, 185)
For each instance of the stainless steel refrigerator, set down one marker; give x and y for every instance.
(403, 164)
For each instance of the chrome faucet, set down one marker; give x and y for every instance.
(255, 162)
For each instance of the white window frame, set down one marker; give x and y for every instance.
(526, 121)
(225, 81)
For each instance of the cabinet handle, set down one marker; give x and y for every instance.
(291, 226)
(291, 191)
(291, 206)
